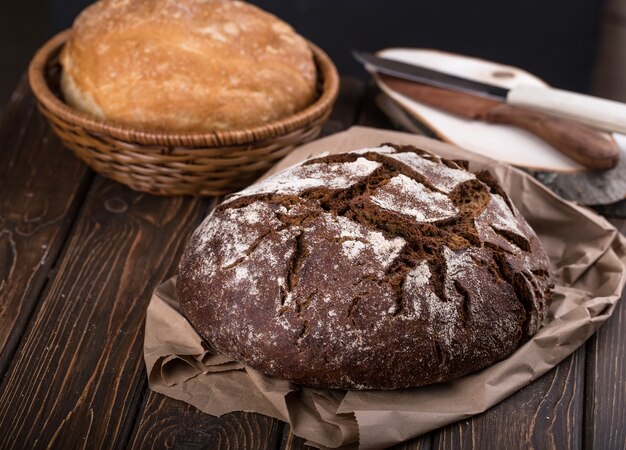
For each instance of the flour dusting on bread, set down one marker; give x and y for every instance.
(375, 269)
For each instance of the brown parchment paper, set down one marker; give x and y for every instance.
(588, 256)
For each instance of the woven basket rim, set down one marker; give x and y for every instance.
(39, 85)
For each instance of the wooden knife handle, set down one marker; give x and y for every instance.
(580, 142)
(599, 113)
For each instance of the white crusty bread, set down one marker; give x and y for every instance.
(186, 65)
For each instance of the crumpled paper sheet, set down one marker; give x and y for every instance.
(588, 256)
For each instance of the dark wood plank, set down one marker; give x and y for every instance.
(157, 411)
(292, 442)
(179, 425)
(605, 406)
(421, 443)
(41, 187)
(547, 414)
(78, 376)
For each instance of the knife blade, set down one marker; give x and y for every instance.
(606, 115)
(583, 144)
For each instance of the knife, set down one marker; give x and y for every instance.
(583, 144)
(598, 113)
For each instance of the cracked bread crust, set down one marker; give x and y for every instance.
(381, 268)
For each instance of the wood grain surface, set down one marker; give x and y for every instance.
(36, 211)
(546, 414)
(168, 423)
(79, 258)
(605, 406)
(78, 374)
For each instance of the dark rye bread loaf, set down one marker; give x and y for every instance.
(376, 269)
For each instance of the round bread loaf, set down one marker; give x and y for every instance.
(186, 65)
(376, 269)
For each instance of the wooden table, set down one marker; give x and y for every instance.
(79, 258)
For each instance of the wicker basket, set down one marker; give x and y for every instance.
(163, 163)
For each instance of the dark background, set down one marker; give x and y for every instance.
(555, 39)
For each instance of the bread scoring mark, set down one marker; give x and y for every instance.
(514, 238)
(499, 226)
(525, 295)
(421, 307)
(466, 308)
(295, 263)
(408, 197)
(504, 218)
(443, 177)
(437, 273)
(244, 236)
(304, 330)
(385, 250)
(489, 180)
(247, 252)
(352, 308)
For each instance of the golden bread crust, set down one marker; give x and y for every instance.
(186, 65)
